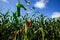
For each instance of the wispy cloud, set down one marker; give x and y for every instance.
(55, 15)
(5, 1)
(41, 4)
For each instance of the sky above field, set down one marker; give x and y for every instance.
(50, 8)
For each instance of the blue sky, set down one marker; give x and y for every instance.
(50, 8)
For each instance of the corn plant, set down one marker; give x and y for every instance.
(17, 27)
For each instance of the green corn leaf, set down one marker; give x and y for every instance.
(6, 14)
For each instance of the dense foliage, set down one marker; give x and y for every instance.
(17, 27)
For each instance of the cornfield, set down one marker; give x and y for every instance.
(17, 27)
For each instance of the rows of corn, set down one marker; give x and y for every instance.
(17, 27)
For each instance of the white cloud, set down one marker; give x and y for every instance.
(55, 15)
(41, 4)
(5, 1)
